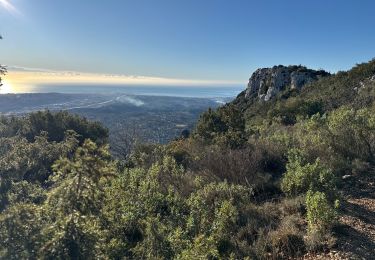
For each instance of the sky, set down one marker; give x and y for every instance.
(180, 41)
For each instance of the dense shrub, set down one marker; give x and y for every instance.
(20, 231)
(245, 166)
(54, 124)
(224, 126)
(321, 214)
(21, 161)
(287, 240)
(302, 176)
(353, 133)
(74, 204)
(294, 107)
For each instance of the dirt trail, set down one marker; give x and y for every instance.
(356, 235)
(356, 231)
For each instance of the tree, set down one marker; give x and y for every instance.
(56, 124)
(225, 126)
(3, 69)
(21, 160)
(74, 204)
(123, 143)
(20, 227)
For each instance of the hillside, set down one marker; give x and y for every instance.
(321, 93)
(330, 119)
(285, 171)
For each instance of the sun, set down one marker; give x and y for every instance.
(6, 87)
(9, 7)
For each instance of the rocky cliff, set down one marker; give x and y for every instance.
(266, 83)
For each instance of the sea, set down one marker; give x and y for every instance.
(172, 91)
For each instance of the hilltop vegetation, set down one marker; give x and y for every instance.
(256, 180)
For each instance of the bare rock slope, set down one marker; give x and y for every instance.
(265, 83)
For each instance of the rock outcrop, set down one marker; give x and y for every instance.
(266, 83)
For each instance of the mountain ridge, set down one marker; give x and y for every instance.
(266, 83)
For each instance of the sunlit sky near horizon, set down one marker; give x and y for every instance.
(195, 42)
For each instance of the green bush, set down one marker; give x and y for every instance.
(224, 126)
(302, 176)
(20, 235)
(352, 133)
(290, 109)
(201, 248)
(321, 214)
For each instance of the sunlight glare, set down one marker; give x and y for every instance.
(6, 88)
(9, 7)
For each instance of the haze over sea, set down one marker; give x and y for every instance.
(172, 91)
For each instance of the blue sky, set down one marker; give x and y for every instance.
(188, 39)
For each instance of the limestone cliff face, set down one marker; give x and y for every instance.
(266, 83)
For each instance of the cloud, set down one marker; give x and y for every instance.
(18, 68)
(130, 100)
(37, 76)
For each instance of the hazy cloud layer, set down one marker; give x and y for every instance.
(35, 76)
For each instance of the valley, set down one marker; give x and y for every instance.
(156, 119)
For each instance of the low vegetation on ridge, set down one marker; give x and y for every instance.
(255, 180)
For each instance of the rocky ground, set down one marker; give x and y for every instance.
(357, 233)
